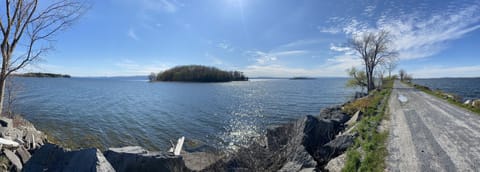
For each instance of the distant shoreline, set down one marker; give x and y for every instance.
(42, 75)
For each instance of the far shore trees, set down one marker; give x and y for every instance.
(373, 48)
(31, 27)
(404, 76)
(390, 65)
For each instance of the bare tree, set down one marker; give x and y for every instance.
(32, 27)
(390, 65)
(373, 48)
(402, 74)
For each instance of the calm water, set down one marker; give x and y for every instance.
(110, 112)
(467, 88)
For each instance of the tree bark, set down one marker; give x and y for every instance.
(3, 78)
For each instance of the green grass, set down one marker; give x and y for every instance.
(439, 94)
(370, 148)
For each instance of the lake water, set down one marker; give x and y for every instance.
(467, 88)
(112, 112)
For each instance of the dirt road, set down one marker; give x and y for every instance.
(428, 134)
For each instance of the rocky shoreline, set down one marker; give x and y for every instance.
(307, 144)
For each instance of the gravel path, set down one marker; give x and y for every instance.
(429, 134)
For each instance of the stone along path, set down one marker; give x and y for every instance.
(429, 134)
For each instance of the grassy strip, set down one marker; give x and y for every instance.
(440, 95)
(370, 148)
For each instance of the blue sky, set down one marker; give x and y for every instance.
(265, 38)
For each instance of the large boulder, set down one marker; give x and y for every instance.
(333, 149)
(135, 158)
(51, 157)
(334, 113)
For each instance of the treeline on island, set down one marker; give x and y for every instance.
(197, 73)
(42, 75)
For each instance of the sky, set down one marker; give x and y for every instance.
(434, 38)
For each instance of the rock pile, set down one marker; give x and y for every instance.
(473, 103)
(306, 144)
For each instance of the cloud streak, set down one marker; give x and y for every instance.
(416, 34)
(131, 33)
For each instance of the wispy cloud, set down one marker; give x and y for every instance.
(440, 71)
(131, 33)
(161, 5)
(333, 67)
(331, 30)
(130, 67)
(262, 58)
(214, 59)
(417, 34)
(226, 46)
(333, 47)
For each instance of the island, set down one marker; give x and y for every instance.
(301, 78)
(197, 73)
(42, 75)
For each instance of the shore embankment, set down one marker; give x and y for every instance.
(308, 143)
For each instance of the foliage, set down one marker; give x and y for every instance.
(197, 73)
(370, 141)
(358, 78)
(358, 105)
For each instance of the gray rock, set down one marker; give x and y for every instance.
(138, 159)
(354, 119)
(54, 158)
(23, 154)
(468, 102)
(6, 122)
(336, 164)
(198, 161)
(333, 148)
(13, 159)
(334, 113)
(476, 103)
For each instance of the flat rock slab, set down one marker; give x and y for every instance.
(54, 158)
(138, 159)
(13, 159)
(23, 154)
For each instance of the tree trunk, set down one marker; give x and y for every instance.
(370, 82)
(2, 91)
(3, 78)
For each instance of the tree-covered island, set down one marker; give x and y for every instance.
(197, 73)
(42, 75)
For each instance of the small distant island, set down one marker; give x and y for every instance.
(302, 78)
(42, 75)
(197, 73)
